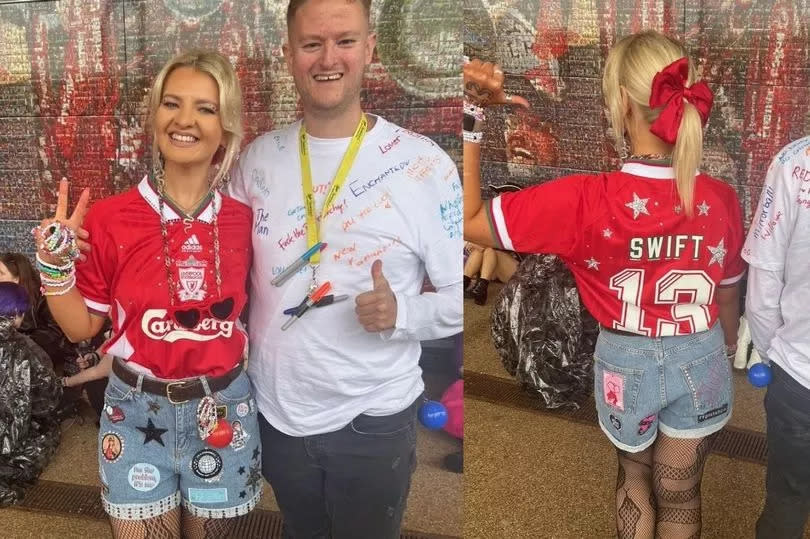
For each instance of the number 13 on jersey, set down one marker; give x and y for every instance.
(689, 292)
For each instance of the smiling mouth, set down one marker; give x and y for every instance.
(328, 77)
(184, 139)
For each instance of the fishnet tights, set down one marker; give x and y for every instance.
(658, 489)
(635, 503)
(676, 481)
(167, 526)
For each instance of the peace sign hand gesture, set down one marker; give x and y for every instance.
(483, 85)
(59, 238)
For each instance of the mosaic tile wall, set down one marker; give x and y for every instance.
(74, 74)
(755, 55)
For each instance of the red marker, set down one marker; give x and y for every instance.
(310, 301)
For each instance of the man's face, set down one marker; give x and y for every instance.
(328, 50)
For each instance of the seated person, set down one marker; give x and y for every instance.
(29, 394)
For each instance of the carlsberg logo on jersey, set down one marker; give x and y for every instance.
(156, 326)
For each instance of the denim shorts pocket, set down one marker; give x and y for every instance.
(388, 426)
(709, 382)
(117, 391)
(617, 387)
(239, 390)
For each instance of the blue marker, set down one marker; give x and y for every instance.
(290, 270)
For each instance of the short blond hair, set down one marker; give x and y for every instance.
(632, 64)
(230, 102)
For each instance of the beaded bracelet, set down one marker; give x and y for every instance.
(58, 240)
(474, 110)
(68, 286)
(473, 136)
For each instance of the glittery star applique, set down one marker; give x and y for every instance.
(593, 263)
(718, 253)
(677, 209)
(703, 209)
(638, 205)
(254, 478)
(607, 233)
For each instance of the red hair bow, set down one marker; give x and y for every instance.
(669, 90)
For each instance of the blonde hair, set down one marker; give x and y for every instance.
(631, 65)
(230, 103)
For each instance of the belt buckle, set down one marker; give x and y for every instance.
(169, 387)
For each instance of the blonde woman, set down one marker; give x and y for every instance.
(655, 250)
(168, 265)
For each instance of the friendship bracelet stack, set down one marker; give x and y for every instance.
(59, 242)
(473, 123)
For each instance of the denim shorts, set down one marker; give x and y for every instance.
(151, 456)
(679, 385)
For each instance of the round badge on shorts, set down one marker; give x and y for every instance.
(111, 446)
(206, 463)
(143, 477)
(242, 409)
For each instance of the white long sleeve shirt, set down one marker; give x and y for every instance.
(401, 203)
(778, 251)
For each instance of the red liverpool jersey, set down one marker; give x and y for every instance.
(126, 278)
(640, 264)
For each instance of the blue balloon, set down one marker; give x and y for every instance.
(433, 415)
(760, 375)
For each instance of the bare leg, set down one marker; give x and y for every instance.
(506, 266)
(473, 264)
(488, 264)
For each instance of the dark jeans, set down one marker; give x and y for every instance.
(787, 483)
(348, 484)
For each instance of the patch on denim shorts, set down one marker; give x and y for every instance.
(713, 413)
(111, 446)
(613, 388)
(615, 422)
(207, 495)
(644, 424)
(206, 464)
(143, 477)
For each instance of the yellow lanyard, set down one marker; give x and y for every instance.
(313, 229)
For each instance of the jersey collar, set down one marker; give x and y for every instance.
(204, 212)
(649, 169)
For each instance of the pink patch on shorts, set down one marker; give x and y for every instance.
(613, 386)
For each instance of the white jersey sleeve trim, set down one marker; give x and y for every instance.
(732, 280)
(96, 306)
(499, 222)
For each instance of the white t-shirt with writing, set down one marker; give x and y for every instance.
(402, 204)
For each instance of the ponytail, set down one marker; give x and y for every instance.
(686, 157)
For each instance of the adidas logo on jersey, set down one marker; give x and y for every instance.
(192, 245)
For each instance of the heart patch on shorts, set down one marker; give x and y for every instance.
(613, 389)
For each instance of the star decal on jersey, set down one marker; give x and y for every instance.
(703, 209)
(593, 263)
(718, 253)
(607, 233)
(152, 433)
(638, 205)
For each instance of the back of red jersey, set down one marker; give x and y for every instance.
(640, 263)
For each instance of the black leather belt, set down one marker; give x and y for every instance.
(619, 332)
(177, 392)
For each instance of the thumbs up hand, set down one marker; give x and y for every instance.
(377, 309)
